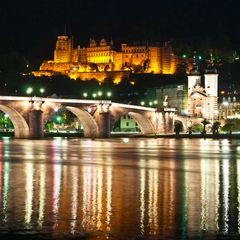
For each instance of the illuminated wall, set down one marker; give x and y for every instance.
(63, 50)
(134, 55)
(146, 57)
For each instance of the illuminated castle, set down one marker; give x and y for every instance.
(203, 101)
(102, 58)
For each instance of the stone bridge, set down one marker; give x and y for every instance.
(30, 114)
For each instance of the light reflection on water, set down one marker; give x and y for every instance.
(120, 189)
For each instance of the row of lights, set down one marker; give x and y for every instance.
(151, 103)
(30, 90)
(97, 94)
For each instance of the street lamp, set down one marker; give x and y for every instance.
(42, 90)
(142, 103)
(59, 119)
(85, 94)
(29, 90)
(109, 94)
(150, 103)
(99, 93)
(94, 95)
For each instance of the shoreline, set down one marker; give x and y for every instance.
(133, 135)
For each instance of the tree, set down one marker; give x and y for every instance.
(228, 127)
(215, 127)
(205, 122)
(178, 127)
(93, 67)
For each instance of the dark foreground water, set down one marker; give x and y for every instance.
(119, 189)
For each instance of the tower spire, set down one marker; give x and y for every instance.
(195, 70)
(211, 69)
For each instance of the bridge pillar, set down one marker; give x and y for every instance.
(35, 124)
(104, 125)
(168, 122)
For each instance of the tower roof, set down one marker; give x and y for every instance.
(194, 71)
(211, 69)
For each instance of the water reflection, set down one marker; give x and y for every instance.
(165, 188)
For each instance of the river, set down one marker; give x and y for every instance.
(119, 188)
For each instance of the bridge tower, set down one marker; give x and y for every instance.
(194, 78)
(211, 88)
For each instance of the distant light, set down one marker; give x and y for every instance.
(42, 90)
(29, 90)
(5, 115)
(85, 94)
(109, 94)
(150, 103)
(200, 57)
(155, 102)
(100, 93)
(56, 109)
(58, 118)
(125, 140)
(142, 103)
(94, 95)
(132, 83)
(225, 103)
(184, 55)
(222, 92)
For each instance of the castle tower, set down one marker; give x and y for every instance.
(63, 50)
(211, 88)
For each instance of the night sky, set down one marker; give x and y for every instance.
(31, 27)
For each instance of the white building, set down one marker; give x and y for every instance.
(203, 100)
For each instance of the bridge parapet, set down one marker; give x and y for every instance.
(29, 114)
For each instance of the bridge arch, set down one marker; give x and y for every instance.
(90, 128)
(21, 128)
(183, 121)
(145, 125)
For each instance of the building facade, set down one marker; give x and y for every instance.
(203, 100)
(102, 57)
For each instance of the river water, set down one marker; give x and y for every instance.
(119, 188)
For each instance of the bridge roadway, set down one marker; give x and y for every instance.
(29, 115)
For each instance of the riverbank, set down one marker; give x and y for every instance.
(218, 136)
(135, 135)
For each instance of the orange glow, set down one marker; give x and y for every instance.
(101, 58)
